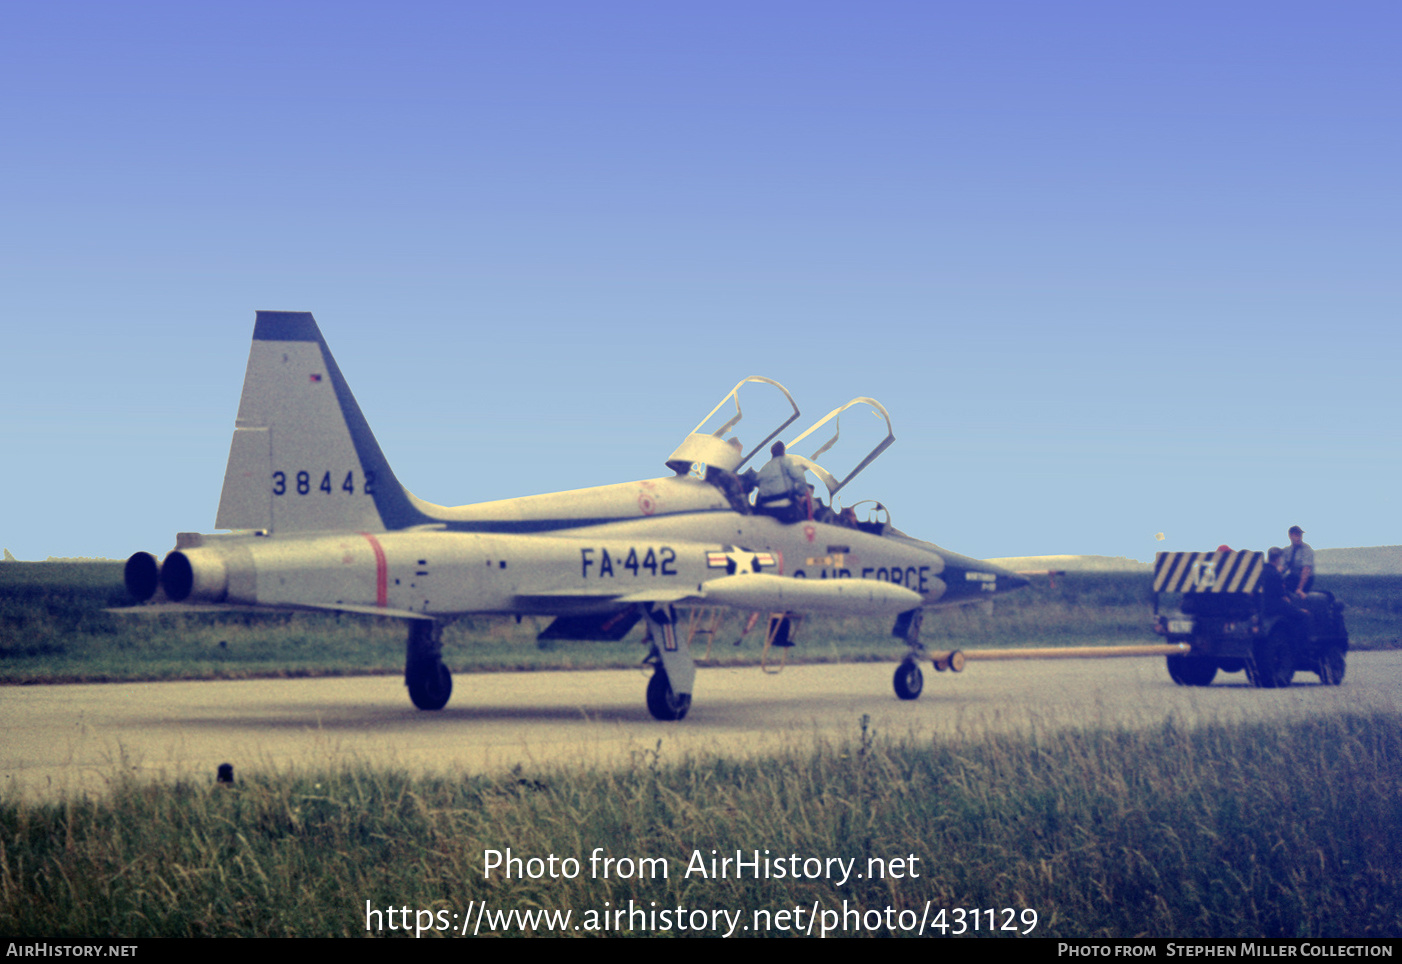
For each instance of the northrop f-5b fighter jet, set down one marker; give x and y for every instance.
(319, 522)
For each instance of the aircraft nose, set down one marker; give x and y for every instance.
(1007, 579)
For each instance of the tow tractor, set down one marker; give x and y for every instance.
(1228, 624)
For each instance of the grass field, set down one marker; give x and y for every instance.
(53, 628)
(1222, 831)
(1225, 830)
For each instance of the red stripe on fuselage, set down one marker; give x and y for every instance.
(381, 572)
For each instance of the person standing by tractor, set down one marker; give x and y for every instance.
(1298, 562)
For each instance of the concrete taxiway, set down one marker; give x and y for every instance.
(82, 738)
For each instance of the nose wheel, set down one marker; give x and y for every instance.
(909, 681)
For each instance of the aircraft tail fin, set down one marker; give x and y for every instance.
(303, 457)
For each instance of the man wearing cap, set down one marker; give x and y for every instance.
(1298, 561)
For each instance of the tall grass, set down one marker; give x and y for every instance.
(1220, 831)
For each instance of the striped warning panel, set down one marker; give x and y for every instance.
(1208, 571)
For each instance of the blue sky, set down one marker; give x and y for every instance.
(1115, 269)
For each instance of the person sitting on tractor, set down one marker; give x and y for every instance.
(1276, 601)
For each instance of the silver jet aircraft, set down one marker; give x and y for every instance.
(319, 522)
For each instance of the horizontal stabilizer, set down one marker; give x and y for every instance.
(188, 609)
(847, 597)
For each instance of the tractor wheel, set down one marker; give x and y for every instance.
(1274, 664)
(1192, 670)
(1332, 666)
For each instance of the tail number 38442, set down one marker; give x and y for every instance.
(304, 483)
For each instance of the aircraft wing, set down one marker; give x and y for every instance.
(847, 597)
(747, 591)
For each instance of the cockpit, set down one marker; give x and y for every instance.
(708, 454)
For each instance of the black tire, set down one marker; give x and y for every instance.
(662, 703)
(1332, 665)
(909, 681)
(430, 689)
(1192, 670)
(1273, 666)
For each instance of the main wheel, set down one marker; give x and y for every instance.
(662, 703)
(909, 680)
(1192, 670)
(1274, 664)
(1332, 666)
(431, 688)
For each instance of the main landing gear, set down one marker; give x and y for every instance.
(674, 673)
(662, 702)
(430, 684)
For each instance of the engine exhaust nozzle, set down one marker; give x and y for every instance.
(142, 576)
(196, 574)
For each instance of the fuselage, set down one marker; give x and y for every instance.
(567, 552)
